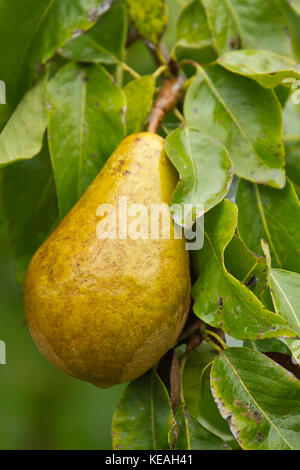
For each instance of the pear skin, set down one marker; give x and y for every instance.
(106, 310)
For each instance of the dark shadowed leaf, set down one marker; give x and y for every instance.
(143, 418)
(234, 25)
(30, 37)
(204, 166)
(86, 122)
(150, 17)
(139, 95)
(197, 393)
(247, 267)
(259, 399)
(265, 67)
(268, 345)
(272, 215)
(193, 436)
(29, 204)
(226, 302)
(22, 137)
(104, 43)
(243, 116)
(192, 30)
(190, 432)
(285, 290)
(285, 361)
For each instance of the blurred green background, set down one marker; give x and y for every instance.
(40, 406)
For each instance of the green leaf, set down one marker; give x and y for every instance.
(86, 122)
(226, 302)
(29, 204)
(143, 418)
(292, 20)
(291, 117)
(268, 345)
(150, 17)
(294, 347)
(234, 25)
(190, 433)
(204, 166)
(31, 33)
(193, 436)
(272, 215)
(246, 266)
(295, 4)
(243, 116)
(291, 121)
(285, 291)
(197, 393)
(139, 94)
(104, 43)
(293, 164)
(265, 67)
(192, 29)
(22, 137)
(259, 399)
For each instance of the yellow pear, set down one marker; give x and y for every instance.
(105, 310)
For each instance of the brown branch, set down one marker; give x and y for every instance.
(167, 99)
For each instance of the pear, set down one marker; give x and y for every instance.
(106, 310)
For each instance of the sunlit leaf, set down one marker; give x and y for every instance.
(22, 137)
(294, 346)
(285, 290)
(244, 117)
(295, 4)
(143, 418)
(86, 122)
(265, 67)
(220, 299)
(204, 166)
(259, 398)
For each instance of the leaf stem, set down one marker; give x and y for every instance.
(217, 337)
(179, 116)
(128, 69)
(159, 71)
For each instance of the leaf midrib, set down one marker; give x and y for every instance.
(264, 223)
(253, 399)
(236, 20)
(232, 116)
(229, 279)
(286, 299)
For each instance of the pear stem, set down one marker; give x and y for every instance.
(167, 100)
